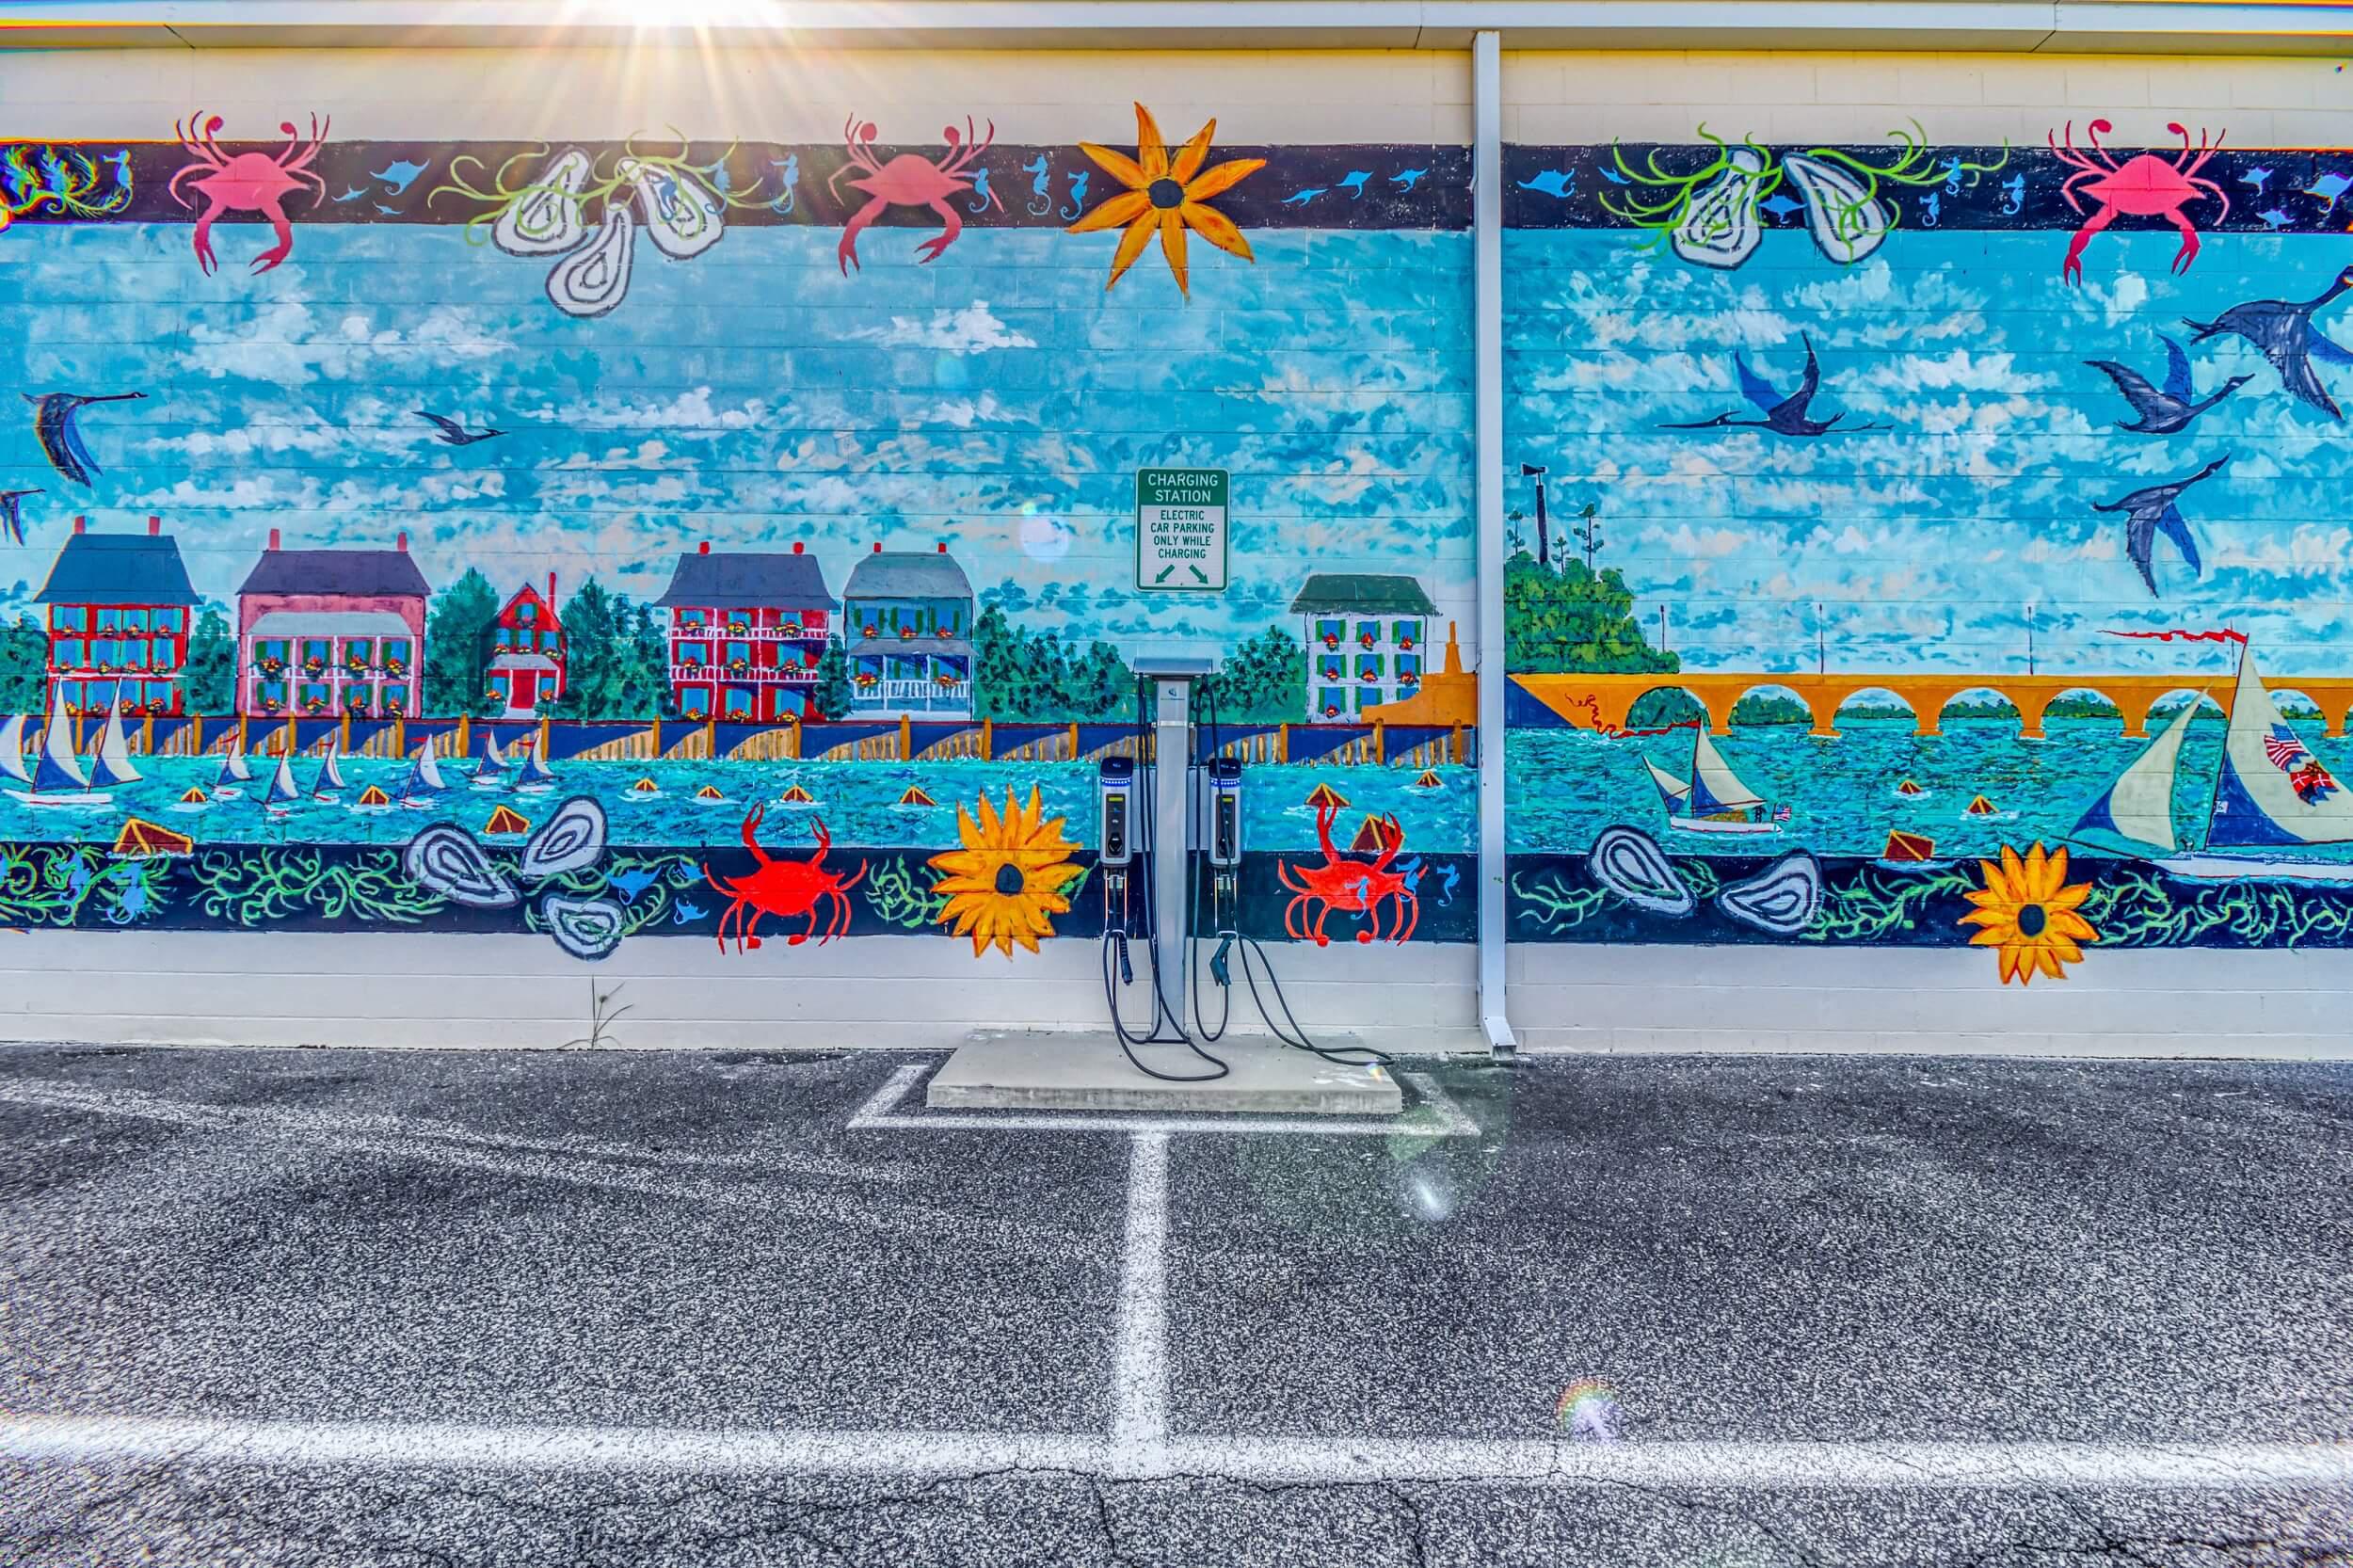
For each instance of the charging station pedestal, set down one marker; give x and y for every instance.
(1088, 1070)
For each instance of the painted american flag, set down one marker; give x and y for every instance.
(2282, 747)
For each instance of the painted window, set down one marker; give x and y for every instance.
(739, 702)
(359, 652)
(1331, 667)
(105, 653)
(1406, 633)
(270, 694)
(1409, 663)
(315, 652)
(394, 655)
(71, 653)
(1331, 632)
(694, 654)
(135, 620)
(160, 654)
(1368, 633)
(692, 617)
(70, 693)
(526, 612)
(1368, 697)
(68, 617)
(170, 620)
(158, 693)
(312, 694)
(738, 653)
(109, 620)
(1331, 702)
(1367, 667)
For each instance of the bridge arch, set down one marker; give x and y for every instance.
(2165, 705)
(1860, 701)
(1773, 706)
(2090, 702)
(1654, 707)
(2331, 705)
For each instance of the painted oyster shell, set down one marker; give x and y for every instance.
(547, 221)
(586, 928)
(1846, 222)
(573, 838)
(682, 216)
(1630, 864)
(1783, 899)
(1719, 226)
(445, 859)
(594, 280)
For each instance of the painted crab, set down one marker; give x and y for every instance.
(783, 887)
(1350, 886)
(2145, 186)
(247, 182)
(908, 180)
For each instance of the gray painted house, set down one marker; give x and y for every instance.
(906, 623)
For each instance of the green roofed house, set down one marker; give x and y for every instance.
(1368, 640)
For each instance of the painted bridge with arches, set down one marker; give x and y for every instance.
(1603, 701)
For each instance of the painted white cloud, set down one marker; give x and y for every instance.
(974, 330)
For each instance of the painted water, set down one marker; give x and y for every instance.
(857, 802)
(1565, 786)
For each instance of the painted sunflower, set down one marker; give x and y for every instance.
(1166, 196)
(1008, 876)
(2027, 909)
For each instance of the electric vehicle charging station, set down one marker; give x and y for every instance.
(1147, 808)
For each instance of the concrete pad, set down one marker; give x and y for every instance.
(1075, 1070)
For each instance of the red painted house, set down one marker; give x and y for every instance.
(746, 631)
(325, 632)
(524, 664)
(119, 607)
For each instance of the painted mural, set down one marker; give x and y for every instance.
(1954, 554)
(681, 538)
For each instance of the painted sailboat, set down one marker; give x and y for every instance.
(2270, 797)
(12, 749)
(112, 764)
(282, 795)
(1713, 799)
(57, 777)
(424, 784)
(538, 777)
(328, 784)
(491, 771)
(235, 774)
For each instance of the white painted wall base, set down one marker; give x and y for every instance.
(2145, 1003)
(284, 988)
(924, 993)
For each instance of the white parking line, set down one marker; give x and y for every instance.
(665, 1450)
(1140, 1340)
(1435, 1116)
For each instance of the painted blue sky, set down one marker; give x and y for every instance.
(1924, 542)
(998, 400)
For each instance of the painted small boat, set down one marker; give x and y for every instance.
(795, 795)
(538, 777)
(282, 795)
(328, 784)
(112, 764)
(2270, 797)
(490, 774)
(425, 786)
(58, 781)
(1713, 799)
(372, 799)
(235, 774)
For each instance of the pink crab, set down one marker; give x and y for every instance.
(250, 181)
(909, 181)
(2144, 186)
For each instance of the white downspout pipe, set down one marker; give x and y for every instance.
(1487, 314)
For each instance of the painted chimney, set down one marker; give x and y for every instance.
(703, 549)
(943, 547)
(80, 524)
(551, 591)
(273, 538)
(878, 547)
(401, 542)
(797, 547)
(155, 526)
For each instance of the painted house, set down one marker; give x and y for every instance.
(523, 658)
(907, 620)
(331, 631)
(118, 608)
(746, 631)
(1368, 639)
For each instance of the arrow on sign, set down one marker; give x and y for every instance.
(1198, 573)
(1165, 572)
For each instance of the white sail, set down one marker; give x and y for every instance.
(430, 771)
(2139, 804)
(2271, 790)
(536, 771)
(114, 751)
(58, 765)
(330, 774)
(12, 749)
(282, 784)
(491, 756)
(1716, 777)
(232, 768)
(1669, 785)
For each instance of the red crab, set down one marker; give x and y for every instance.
(1348, 885)
(909, 181)
(2144, 186)
(783, 887)
(250, 181)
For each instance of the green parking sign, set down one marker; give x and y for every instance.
(1180, 529)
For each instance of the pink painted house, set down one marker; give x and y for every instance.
(326, 632)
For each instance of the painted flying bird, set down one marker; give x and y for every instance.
(1784, 416)
(2163, 410)
(61, 437)
(455, 434)
(11, 518)
(2151, 512)
(2283, 332)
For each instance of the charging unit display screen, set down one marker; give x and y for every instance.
(1225, 844)
(1115, 792)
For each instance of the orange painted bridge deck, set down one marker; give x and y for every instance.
(1602, 701)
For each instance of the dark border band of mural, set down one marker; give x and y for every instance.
(1362, 188)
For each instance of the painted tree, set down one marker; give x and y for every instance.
(1573, 618)
(23, 666)
(595, 642)
(1263, 680)
(830, 696)
(1026, 674)
(209, 685)
(457, 637)
(646, 666)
